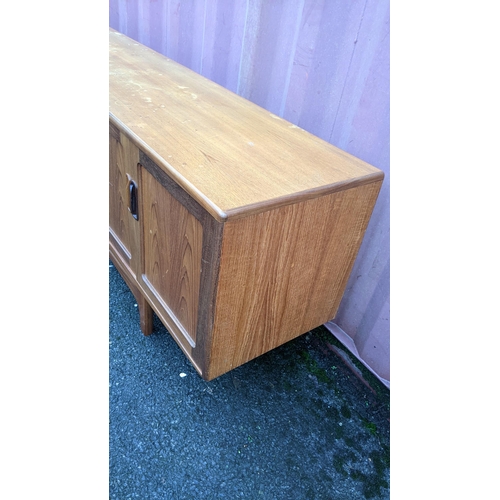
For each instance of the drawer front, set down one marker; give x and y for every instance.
(173, 240)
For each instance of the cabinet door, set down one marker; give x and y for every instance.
(172, 259)
(123, 192)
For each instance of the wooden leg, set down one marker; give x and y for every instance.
(145, 311)
(146, 315)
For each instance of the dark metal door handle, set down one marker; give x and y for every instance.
(132, 199)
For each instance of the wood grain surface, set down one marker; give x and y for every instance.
(172, 253)
(249, 225)
(211, 245)
(123, 228)
(229, 154)
(283, 272)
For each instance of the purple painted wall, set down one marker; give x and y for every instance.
(324, 66)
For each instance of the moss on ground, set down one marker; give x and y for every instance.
(336, 379)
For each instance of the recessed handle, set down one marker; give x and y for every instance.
(132, 199)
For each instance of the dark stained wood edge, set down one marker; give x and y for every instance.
(210, 258)
(114, 132)
(180, 194)
(211, 251)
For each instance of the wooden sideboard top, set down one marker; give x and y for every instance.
(232, 156)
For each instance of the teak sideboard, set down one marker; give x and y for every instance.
(236, 227)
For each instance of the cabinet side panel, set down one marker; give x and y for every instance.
(172, 252)
(283, 272)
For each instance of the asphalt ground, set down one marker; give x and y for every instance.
(299, 422)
